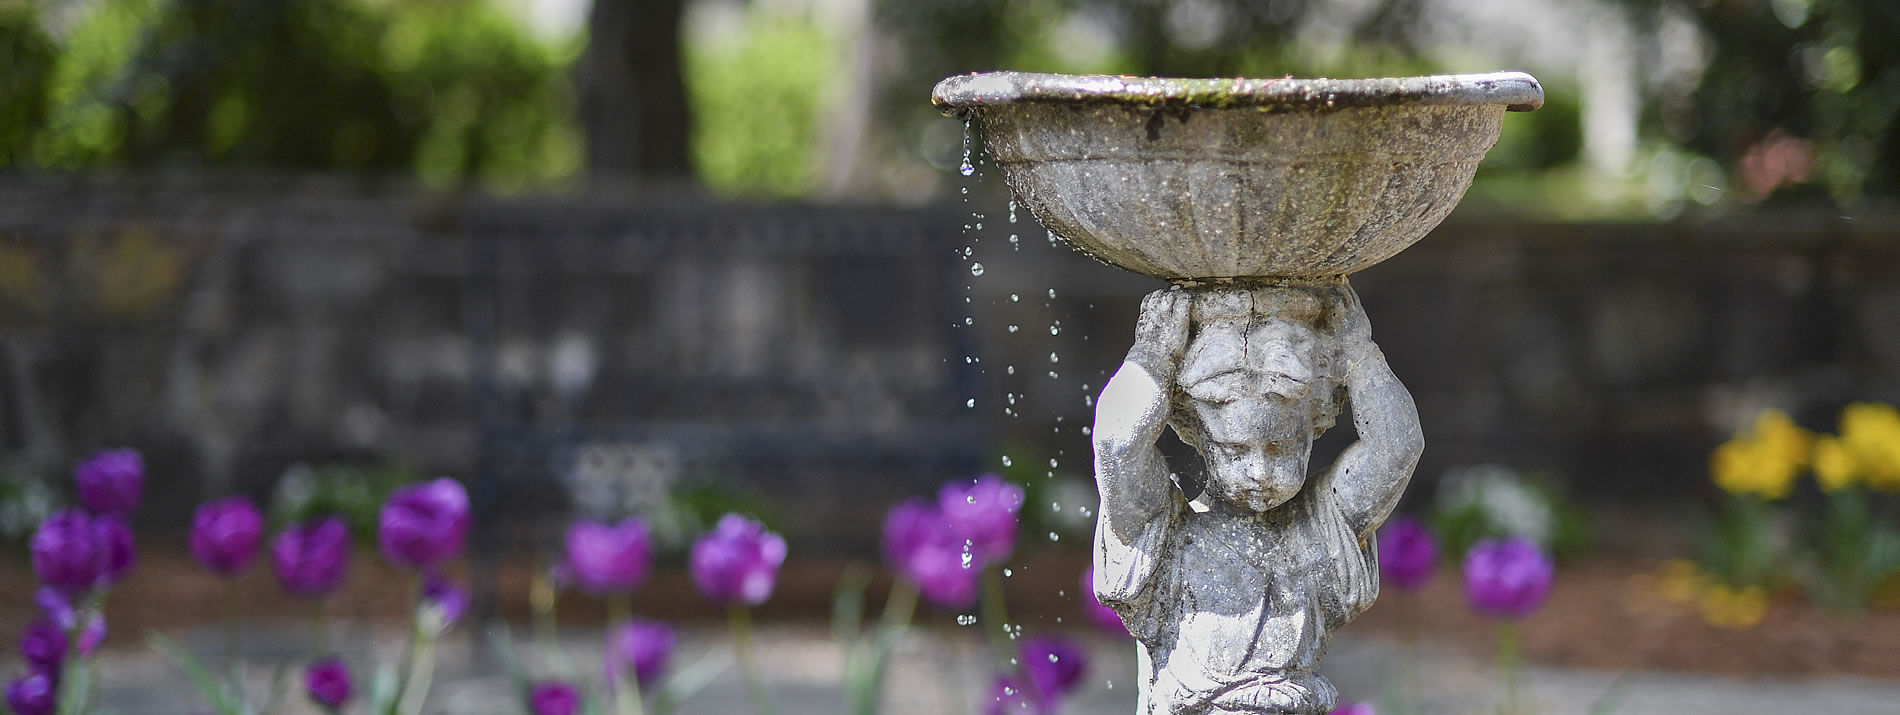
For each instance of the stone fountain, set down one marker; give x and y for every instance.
(1254, 198)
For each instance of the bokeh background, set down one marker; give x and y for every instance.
(673, 258)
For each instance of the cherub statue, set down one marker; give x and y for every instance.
(1234, 595)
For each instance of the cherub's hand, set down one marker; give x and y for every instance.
(1350, 325)
(1161, 333)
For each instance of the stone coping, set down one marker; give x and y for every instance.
(964, 94)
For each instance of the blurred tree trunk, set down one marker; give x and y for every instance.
(633, 94)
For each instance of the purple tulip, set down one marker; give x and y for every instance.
(44, 645)
(56, 606)
(646, 646)
(1007, 696)
(225, 535)
(984, 513)
(328, 682)
(33, 694)
(448, 598)
(919, 544)
(1055, 667)
(605, 560)
(554, 698)
(1354, 709)
(65, 554)
(1102, 616)
(110, 482)
(1506, 579)
(425, 525)
(115, 547)
(737, 563)
(1407, 553)
(311, 559)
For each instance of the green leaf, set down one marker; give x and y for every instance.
(201, 677)
(688, 681)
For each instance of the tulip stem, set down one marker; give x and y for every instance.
(740, 619)
(322, 624)
(995, 615)
(1507, 664)
(626, 690)
(231, 626)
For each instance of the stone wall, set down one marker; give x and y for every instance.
(232, 326)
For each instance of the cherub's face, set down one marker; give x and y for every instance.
(1255, 391)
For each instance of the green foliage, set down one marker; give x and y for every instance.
(1741, 544)
(1853, 552)
(355, 493)
(28, 56)
(449, 89)
(756, 103)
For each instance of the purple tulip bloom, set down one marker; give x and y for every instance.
(1055, 667)
(328, 682)
(737, 562)
(44, 645)
(984, 513)
(111, 481)
(1407, 553)
(66, 554)
(115, 547)
(918, 542)
(225, 535)
(1354, 709)
(554, 698)
(605, 560)
(1102, 616)
(311, 559)
(447, 597)
(645, 646)
(1008, 697)
(56, 606)
(33, 694)
(1506, 579)
(425, 525)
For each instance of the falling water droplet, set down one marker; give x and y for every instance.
(967, 320)
(1008, 573)
(1011, 369)
(965, 619)
(1054, 537)
(967, 559)
(1007, 461)
(1014, 328)
(1052, 294)
(966, 168)
(976, 269)
(1053, 375)
(1052, 462)
(1012, 211)
(969, 402)
(1054, 328)
(1013, 298)
(1055, 507)
(967, 251)
(1053, 658)
(1053, 358)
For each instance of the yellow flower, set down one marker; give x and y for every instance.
(1781, 438)
(1763, 461)
(1833, 465)
(1871, 435)
(1680, 581)
(1739, 609)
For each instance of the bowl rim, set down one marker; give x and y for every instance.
(968, 94)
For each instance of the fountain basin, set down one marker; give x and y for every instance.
(1211, 179)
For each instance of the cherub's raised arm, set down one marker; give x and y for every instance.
(1371, 475)
(1133, 410)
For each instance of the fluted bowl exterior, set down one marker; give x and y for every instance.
(1322, 186)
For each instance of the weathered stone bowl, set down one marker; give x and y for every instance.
(1208, 179)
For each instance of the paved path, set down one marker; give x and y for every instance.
(942, 672)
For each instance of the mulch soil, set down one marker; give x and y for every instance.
(1605, 614)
